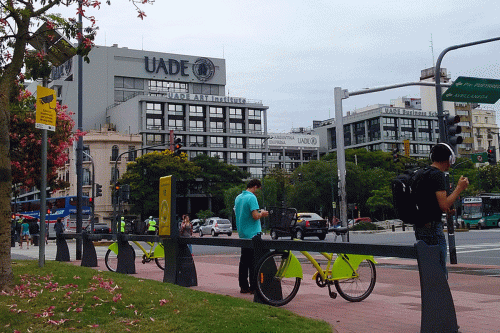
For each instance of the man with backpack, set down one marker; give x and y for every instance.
(433, 200)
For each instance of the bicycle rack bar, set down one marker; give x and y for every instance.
(126, 256)
(89, 258)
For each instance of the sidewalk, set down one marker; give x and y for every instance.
(394, 305)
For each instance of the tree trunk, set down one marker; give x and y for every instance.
(7, 88)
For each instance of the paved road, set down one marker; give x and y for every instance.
(394, 305)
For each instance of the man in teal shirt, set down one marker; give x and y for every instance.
(248, 215)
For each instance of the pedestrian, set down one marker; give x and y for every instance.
(34, 232)
(25, 234)
(186, 229)
(59, 228)
(430, 193)
(248, 215)
(152, 226)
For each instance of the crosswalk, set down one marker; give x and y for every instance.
(478, 247)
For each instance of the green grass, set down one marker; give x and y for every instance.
(63, 297)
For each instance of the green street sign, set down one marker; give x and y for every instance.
(479, 157)
(473, 90)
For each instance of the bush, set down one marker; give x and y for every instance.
(366, 226)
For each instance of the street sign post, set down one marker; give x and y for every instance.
(473, 90)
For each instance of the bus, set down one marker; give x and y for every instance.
(481, 211)
(59, 207)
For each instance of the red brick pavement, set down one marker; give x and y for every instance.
(394, 305)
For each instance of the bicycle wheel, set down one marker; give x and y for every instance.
(111, 260)
(360, 287)
(160, 262)
(275, 290)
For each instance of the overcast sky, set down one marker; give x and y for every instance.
(292, 54)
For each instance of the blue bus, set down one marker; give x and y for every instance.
(59, 207)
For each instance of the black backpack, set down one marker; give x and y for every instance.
(404, 196)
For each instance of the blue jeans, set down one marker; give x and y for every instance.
(434, 236)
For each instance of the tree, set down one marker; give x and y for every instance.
(216, 177)
(144, 173)
(18, 22)
(25, 144)
(380, 202)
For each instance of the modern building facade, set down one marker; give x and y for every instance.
(151, 94)
(291, 150)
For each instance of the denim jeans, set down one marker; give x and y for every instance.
(434, 236)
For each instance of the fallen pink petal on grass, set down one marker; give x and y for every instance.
(117, 297)
(163, 302)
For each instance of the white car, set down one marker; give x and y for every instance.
(216, 226)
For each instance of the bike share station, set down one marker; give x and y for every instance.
(437, 307)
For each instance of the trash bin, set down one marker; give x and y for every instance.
(36, 238)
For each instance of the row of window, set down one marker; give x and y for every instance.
(200, 126)
(200, 111)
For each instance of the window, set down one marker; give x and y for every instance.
(132, 153)
(217, 154)
(236, 143)
(235, 113)
(255, 158)
(196, 141)
(167, 86)
(390, 135)
(154, 116)
(176, 124)
(114, 153)
(176, 109)
(255, 143)
(217, 142)
(254, 114)
(205, 89)
(236, 127)
(197, 125)
(236, 157)
(86, 177)
(216, 112)
(196, 111)
(217, 127)
(389, 121)
(254, 128)
(255, 172)
(129, 83)
(152, 139)
(194, 153)
(86, 154)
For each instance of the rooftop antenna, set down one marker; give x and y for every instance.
(432, 50)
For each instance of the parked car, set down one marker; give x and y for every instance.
(351, 222)
(308, 224)
(99, 228)
(216, 226)
(197, 223)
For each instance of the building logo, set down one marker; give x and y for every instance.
(203, 69)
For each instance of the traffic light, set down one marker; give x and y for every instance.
(177, 146)
(125, 192)
(395, 155)
(452, 129)
(492, 155)
(98, 190)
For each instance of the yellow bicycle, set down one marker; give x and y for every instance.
(279, 274)
(155, 252)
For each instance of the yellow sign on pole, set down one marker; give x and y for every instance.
(407, 147)
(46, 108)
(165, 205)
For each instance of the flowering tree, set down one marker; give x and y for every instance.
(19, 21)
(25, 144)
